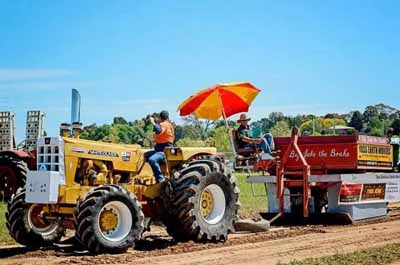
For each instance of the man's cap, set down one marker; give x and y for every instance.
(243, 117)
(164, 114)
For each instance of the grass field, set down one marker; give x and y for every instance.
(4, 237)
(250, 206)
(381, 255)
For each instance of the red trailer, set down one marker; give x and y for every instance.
(327, 154)
(351, 175)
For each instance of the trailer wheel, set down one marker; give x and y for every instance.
(202, 203)
(27, 225)
(13, 171)
(109, 220)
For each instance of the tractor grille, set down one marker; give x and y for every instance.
(50, 154)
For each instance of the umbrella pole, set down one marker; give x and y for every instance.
(227, 129)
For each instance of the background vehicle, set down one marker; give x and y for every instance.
(15, 161)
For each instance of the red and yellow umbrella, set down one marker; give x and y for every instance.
(222, 100)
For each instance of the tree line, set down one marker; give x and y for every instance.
(375, 120)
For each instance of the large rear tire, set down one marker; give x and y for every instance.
(12, 175)
(109, 220)
(26, 224)
(202, 203)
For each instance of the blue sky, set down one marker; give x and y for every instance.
(130, 58)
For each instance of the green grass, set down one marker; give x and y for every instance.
(4, 236)
(379, 255)
(251, 205)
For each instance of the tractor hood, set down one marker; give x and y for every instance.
(123, 156)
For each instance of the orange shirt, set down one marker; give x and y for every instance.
(167, 134)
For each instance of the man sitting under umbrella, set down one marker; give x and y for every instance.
(249, 144)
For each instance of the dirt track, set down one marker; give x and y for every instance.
(265, 248)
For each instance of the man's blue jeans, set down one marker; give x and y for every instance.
(268, 144)
(155, 158)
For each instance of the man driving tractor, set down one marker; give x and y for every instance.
(246, 142)
(164, 137)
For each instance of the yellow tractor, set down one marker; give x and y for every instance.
(108, 195)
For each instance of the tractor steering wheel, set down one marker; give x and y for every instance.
(149, 142)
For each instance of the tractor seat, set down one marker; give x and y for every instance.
(242, 153)
(246, 152)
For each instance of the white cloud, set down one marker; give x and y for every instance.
(12, 75)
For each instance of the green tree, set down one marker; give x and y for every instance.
(281, 128)
(263, 125)
(274, 117)
(296, 121)
(356, 121)
(88, 131)
(376, 126)
(102, 132)
(119, 120)
(220, 139)
(371, 112)
(395, 115)
(221, 123)
(319, 125)
(375, 120)
(188, 142)
(396, 126)
(187, 131)
(202, 126)
(331, 116)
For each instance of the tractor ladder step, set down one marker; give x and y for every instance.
(293, 172)
(293, 183)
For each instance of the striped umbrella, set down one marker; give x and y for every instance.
(222, 100)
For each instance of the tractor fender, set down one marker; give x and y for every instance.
(218, 156)
(18, 153)
(28, 157)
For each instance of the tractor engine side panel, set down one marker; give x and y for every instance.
(123, 158)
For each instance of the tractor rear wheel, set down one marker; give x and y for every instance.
(27, 225)
(202, 203)
(13, 171)
(109, 220)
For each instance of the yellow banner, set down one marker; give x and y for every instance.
(371, 152)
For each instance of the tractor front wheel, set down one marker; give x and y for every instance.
(109, 220)
(27, 224)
